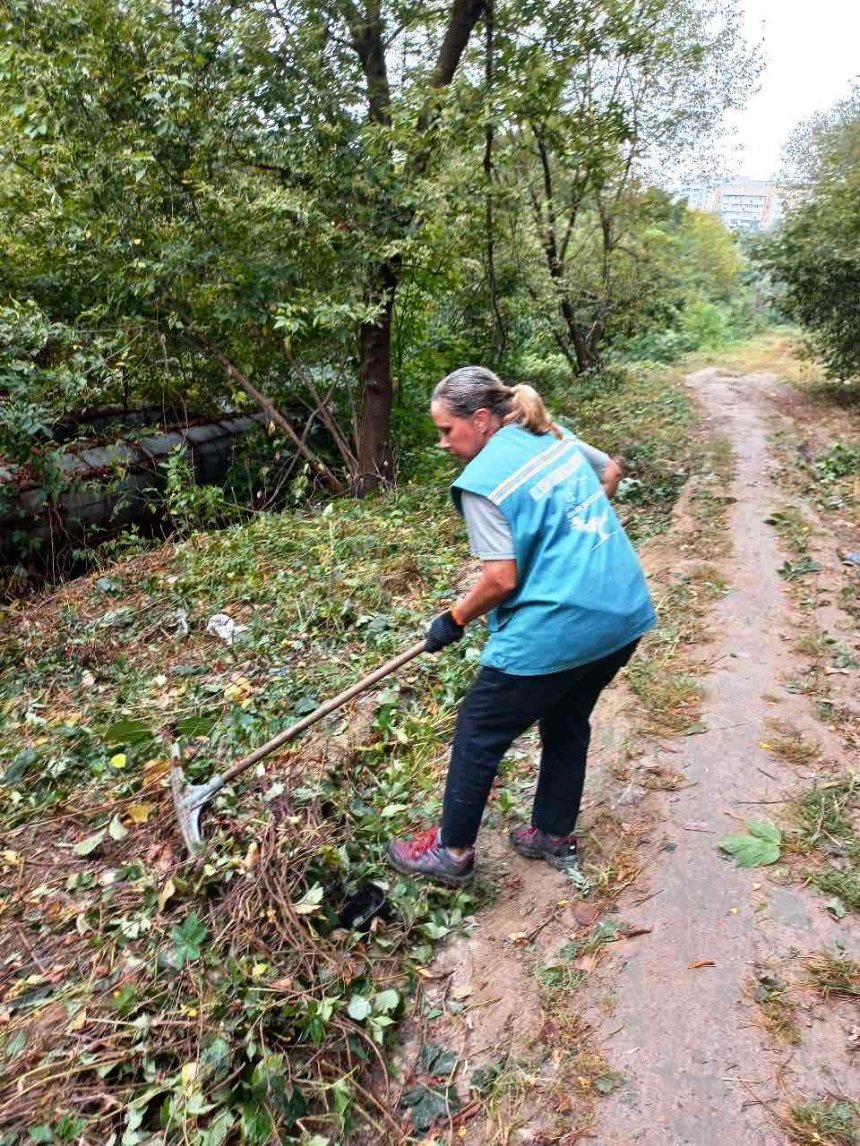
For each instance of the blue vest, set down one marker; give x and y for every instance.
(581, 593)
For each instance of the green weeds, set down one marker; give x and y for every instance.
(662, 674)
(824, 1122)
(221, 997)
(648, 421)
(825, 834)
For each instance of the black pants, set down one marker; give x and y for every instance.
(497, 709)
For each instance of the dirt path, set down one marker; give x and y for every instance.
(696, 1061)
(681, 1047)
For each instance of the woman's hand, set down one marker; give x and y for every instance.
(443, 631)
(498, 580)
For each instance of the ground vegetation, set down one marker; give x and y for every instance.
(224, 998)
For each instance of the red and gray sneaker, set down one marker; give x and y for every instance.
(426, 855)
(558, 851)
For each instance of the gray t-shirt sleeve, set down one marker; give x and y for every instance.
(490, 537)
(597, 459)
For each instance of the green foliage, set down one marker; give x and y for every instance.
(813, 257)
(759, 848)
(840, 461)
(187, 940)
(825, 819)
(192, 507)
(256, 995)
(835, 1121)
(178, 192)
(615, 88)
(701, 297)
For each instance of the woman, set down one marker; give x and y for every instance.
(567, 604)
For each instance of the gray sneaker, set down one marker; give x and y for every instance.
(558, 851)
(426, 855)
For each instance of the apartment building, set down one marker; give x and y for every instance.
(742, 204)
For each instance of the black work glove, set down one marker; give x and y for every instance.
(443, 631)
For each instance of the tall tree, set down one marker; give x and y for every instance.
(229, 176)
(601, 99)
(346, 103)
(815, 255)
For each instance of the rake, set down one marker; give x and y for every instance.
(189, 799)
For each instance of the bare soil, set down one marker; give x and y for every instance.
(662, 1041)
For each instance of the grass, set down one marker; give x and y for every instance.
(823, 1122)
(825, 837)
(814, 644)
(821, 457)
(778, 1011)
(663, 675)
(787, 743)
(834, 974)
(569, 968)
(779, 351)
(647, 420)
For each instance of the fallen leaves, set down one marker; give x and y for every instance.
(139, 813)
(88, 846)
(166, 892)
(758, 849)
(116, 829)
(78, 1022)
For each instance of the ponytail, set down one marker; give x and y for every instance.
(474, 388)
(527, 410)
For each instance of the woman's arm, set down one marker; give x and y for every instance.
(609, 472)
(498, 580)
(611, 476)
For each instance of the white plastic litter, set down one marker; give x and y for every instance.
(225, 627)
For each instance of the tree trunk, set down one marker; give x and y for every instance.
(584, 359)
(367, 30)
(375, 456)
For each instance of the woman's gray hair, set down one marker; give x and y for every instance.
(474, 388)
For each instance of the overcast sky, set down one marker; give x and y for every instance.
(811, 54)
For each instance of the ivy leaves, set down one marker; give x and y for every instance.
(375, 1011)
(187, 941)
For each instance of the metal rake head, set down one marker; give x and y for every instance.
(188, 805)
(189, 800)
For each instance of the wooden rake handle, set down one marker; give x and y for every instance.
(324, 709)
